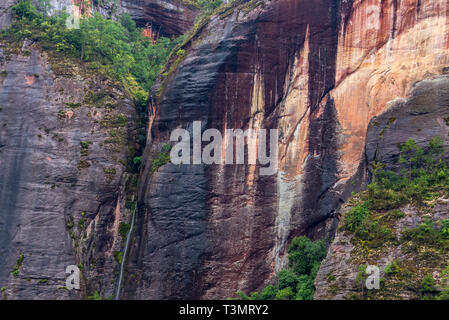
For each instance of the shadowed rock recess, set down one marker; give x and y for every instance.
(329, 74)
(168, 18)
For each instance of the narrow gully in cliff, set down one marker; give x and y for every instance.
(125, 252)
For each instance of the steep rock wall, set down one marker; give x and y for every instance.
(167, 18)
(5, 13)
(65, 140)
(62, 181)
(421, 117)
(230, 230)
(316, 70)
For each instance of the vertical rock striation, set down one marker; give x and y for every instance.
(65, 140)
(251, 68)
(168, 18)
(319, 71)
(316, 70)
(62, 184)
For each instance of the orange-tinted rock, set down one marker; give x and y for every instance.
(319, 71)
(383, 50)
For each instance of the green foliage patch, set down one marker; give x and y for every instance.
(427, 234)
(419, 179)
(422, 176)
(116, 49)
(118, 255)
(296, 282)
(392, 268)
(123, 229)
(19, 262)
(162, 158)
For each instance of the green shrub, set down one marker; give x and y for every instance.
(384, 199)
(117, 49)
(25, 9)
(305, 255)
(355, 217)
(161, 159)
(361, 276)
(96, 296)
(19, 262)
(445, 276)
(81, 223)
(285, 294)
(209, 5)
(427, 284)
(123, 229)
(359, 221)
(242, 295)
(205, 6)
(444, 294)
(392, 268)
(296, 282)
(70, 223)
(426, 234)
(137, 164)
(305, 288)
(286, 278)
(444, 232)
(421, 177)
(118, 255)
(268, 293)
(84, 148)
(374, 234)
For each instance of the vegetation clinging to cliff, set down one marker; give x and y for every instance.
(296, 282)
(377, 217)
(422, 176)
(116, 49)
(204, 5)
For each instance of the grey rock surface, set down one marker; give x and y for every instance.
(5, 13)
(60, 202)
(168, 18)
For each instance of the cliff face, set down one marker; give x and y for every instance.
(66, 137)
(319, 71)
(61, 178)
(218, 229)
(168, 18)
(421, 116)
(330, 75)
(5, 12)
